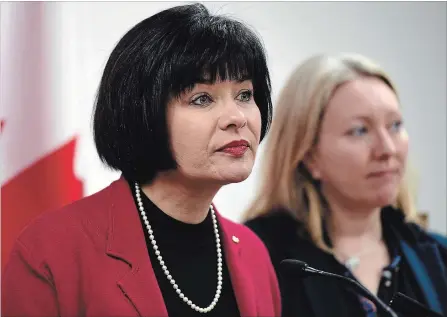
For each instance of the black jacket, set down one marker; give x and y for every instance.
(426, 255)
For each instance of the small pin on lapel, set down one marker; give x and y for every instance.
(235, 239)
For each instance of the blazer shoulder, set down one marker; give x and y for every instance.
(59, 227)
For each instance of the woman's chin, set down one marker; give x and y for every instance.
(385, 198)
(231, 176)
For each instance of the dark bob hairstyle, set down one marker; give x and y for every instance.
(158, 59)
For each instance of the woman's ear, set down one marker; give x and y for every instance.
(311, 163)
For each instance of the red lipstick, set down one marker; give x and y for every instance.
(235, 148)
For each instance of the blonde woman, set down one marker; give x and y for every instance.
(334, 193)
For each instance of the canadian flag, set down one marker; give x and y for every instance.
(38, 137)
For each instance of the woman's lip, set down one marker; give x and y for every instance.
(236, 151)
(382, 173)
(235, 143)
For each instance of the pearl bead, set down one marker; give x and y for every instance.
(163, 264)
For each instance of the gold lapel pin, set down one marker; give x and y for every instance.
(235, 239)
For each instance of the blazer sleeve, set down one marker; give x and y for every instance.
(27, 288)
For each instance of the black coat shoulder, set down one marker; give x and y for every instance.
(278, 230)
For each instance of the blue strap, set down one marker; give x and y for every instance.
(442, 240)
(421, 275)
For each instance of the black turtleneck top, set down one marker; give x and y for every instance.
(190, 254)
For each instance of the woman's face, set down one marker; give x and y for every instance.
(215, 131)
(362, 150)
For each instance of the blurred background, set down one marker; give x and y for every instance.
(52, 55)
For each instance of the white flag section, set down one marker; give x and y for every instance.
(39, 137)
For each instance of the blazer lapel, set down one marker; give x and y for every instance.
(126, 242)
(238, 270)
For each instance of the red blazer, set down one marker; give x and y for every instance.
(90, 259)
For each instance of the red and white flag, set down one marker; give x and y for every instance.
(38, 137)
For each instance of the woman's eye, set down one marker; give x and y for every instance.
(202, 100)
(359, 131)
(397, 125)
(245, 96)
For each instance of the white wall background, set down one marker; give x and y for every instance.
(407, 38)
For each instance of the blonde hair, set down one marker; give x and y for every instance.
(286, 182)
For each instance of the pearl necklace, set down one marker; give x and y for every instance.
(165, 269)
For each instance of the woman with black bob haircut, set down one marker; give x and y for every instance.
(182, 106)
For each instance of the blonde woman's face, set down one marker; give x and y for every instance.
(362, 150)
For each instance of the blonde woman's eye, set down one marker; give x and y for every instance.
(359, 131)
(397, 125)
